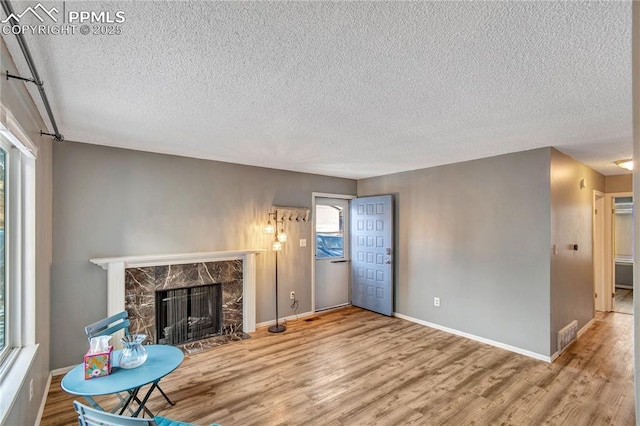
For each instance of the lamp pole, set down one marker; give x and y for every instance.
(278, 328)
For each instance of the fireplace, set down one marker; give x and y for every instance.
(133, 280)
(188, 314)
(193, 306)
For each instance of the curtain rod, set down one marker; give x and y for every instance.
(8, 10)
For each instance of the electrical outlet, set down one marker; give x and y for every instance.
(303, 242)
(31, 390)
(436, 301)
(292, 295)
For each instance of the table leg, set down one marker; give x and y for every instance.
(93, 403)
(132, 395)
(144, 401)
(122, 404)
(165, 396)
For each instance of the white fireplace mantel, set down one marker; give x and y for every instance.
(115, 267)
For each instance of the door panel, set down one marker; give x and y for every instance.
(332, 284)
(372, 253)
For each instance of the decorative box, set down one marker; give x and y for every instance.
(98, 364)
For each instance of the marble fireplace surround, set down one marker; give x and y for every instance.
(116, 266)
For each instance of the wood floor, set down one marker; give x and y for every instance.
(351, 367)
(623, 301)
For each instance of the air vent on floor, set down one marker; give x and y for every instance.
(567, 335)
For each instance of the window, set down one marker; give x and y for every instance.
(329, 231)
(4, 289)
(18, 260)
(17, 248)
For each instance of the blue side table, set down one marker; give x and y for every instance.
(162, 360)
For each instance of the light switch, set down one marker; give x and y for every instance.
(303, 242)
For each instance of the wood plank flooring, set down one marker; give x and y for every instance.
(351, 367)
(623, 301)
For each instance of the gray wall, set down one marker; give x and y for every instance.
(15, 97)
(477, 235)
(571, 222)
(117, 202)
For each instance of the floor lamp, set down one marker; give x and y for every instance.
(278, 328)
(281, 237)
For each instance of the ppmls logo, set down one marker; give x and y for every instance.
(34, 11)
(69, 22)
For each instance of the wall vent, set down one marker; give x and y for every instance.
(567, 335)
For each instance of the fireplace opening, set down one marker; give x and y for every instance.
(188, 314)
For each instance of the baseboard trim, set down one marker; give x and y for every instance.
(585, 327)
(509, 348)
(289, 318)
(582, 330)
(61, 371)
(43, 401)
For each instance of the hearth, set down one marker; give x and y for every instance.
(188, 314)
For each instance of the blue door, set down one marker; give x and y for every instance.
(372, 253)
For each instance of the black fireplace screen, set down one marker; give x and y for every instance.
(188, 314)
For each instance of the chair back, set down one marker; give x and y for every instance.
(88, 416)
(108, 326)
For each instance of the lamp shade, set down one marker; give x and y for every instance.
(269, 228)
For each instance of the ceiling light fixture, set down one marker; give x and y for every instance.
(625, 164)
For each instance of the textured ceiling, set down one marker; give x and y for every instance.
(351, 89)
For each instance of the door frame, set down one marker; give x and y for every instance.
(347, 232)
(599, 270)
(610, 270)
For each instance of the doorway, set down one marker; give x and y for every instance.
(623, 249)
(332, 269)
(599, 274)
(613, 236)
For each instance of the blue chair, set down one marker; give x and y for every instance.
(109, 326)
(88, 416)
